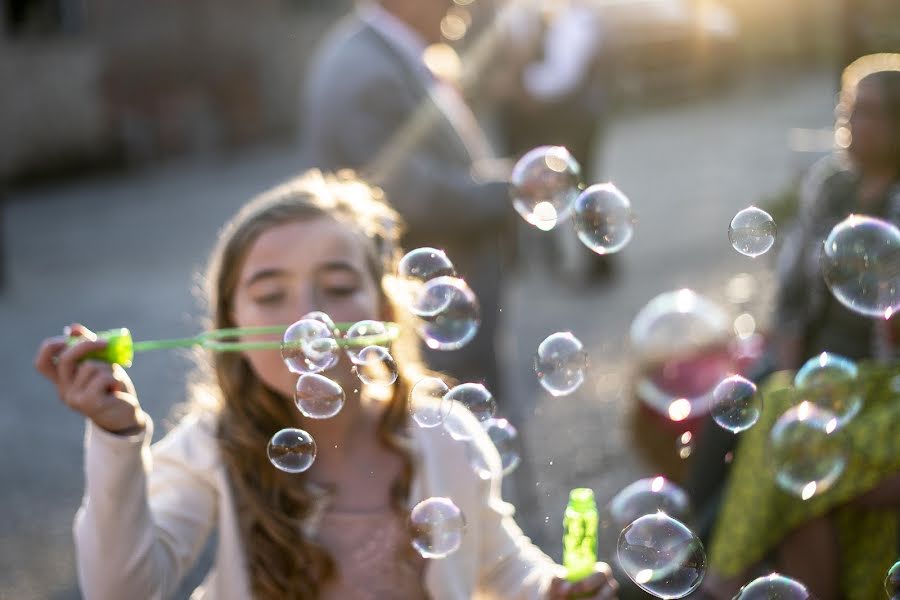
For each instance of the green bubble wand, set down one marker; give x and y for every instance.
(121, 348)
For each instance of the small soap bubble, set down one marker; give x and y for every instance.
(861, 265)
(647, 497)
(544, 185)
(774, 586)
(892, 582)
(807, 451)
(318, 315)
(752, 231)
(359, 337)
(830, 381)
(436, 527)
(375, 366)
(292, 450)
(685, 444)
(736, 404)
(456, 321)
(560, 362)
(309, 346)
(680, 341)
(603, 218)
(427, 403)
(474, 397)
(415, 269)
(662, 556)
(506, 440)
(318, 397)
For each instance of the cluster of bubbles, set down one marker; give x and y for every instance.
(546, 188)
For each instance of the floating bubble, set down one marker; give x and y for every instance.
(603, 218)
(456, 322)
(736, 404)
(375, 366)
(292, 450)
(662, 556)
(685, 444)
(774, 587)
(560, 362)
(318, 397)
(752, 231)
(861, 265)
(680, 342)
(427, 404)
(477, 399)
(544, 185)
(647, 497)
(829, 380)
(309, 346)
(808, 453)
(361, 329)
(414, 270)
(892, 582)
(436, 527)
(318, 315)
(506, 440)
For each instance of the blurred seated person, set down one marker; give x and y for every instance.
(839, 543)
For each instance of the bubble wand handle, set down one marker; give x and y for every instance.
(121, 347)
(580, 523)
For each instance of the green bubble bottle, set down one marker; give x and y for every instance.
(580, 534)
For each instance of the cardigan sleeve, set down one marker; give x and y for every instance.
(146, 512)
(511, 566)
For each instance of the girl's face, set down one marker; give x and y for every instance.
(298, 267)
(870, 126)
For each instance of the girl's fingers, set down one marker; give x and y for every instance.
(87, 370)
(47, 355)
(97, 394)
(67, 365)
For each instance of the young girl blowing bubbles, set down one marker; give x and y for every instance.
(338, 530)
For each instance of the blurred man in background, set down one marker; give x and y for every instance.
(379, 99)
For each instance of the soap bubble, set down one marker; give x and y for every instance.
(680, 341)
(357, 335)
(506, 440)
(292, 450)
(427, 405)
(457, 322)
(829, 380)
(318, 397)
(560, 362)
(685, 444)
(736, 404)
(662, 556)
(414, 270)
(647, 497)
(808, 453)
(436, 527)
(318, 315)
(774, 587)
(477, 399)
(544, 185)
(752, 231)
(892, 582)
(603, 218)
(375, 366)
(309, 346)
(861, 265)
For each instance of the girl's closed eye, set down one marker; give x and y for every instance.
(269, 298)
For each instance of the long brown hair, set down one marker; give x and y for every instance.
(273, 507)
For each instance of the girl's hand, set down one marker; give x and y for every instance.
(599, 586)
(98, 390)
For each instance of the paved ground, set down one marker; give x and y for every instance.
(122, 251)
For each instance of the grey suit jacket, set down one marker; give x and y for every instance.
(368, 108)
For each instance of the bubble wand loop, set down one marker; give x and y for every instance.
(121, 348)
